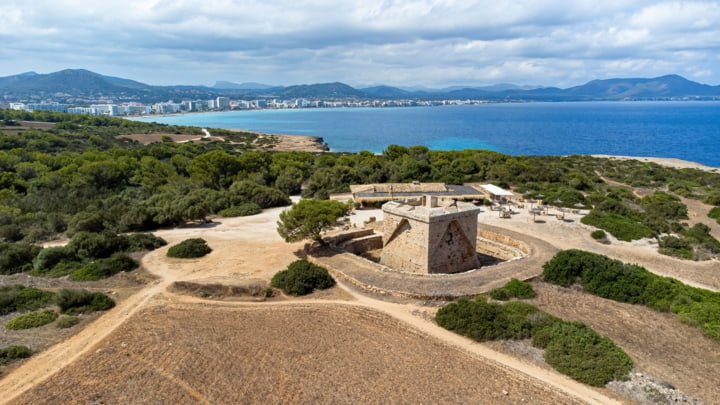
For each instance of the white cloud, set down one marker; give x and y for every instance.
(396, 42)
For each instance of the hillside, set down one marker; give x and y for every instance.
(73, 85)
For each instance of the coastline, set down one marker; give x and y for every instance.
(669, 162)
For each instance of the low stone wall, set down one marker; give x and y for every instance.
(504, 240)
(362, 244)
(339, 239)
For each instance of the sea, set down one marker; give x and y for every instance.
(688, 130)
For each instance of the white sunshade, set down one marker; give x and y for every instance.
(495, 190)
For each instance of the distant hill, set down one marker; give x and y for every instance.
(77, 85)
(323, 90)
(242, 86)
(387, 91)
(659, 87)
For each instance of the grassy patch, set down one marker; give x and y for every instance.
(714, 213)
(10, 353)
(31, 320)
(621, 227)
(104, 268)
(67, 322)
(513, 289)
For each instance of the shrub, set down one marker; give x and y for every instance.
(570, 347)
(104, 268)
(301, 278)
(674, 246)
(520, 289)
(621, 227)
(48, 258)
(615, 280)
(567, 266)
(190, 248)
(598, 234)
(714, 213)
(67, 322)
(142, 241)
(19, 298)
(73, 302)
(482, 321)
(241, 210)
(11, 353)
(91, 245)
(513, 289)
(31, 320)
(577, 351)
(17, 257)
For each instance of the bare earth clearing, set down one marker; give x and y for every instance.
(341, 346)
(280, 354)
(280, 143)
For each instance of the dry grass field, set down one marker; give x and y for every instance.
(300, 353)
(658, 342)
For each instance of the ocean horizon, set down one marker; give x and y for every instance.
(687, 130)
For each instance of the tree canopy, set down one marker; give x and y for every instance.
(307, 219)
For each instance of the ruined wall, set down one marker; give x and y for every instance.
(404, 243)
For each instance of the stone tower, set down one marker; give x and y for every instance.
(430, 236)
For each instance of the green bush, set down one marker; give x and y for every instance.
(513, 289)
(92, 245)
(142, 241)
(104, 268)
(11, 353)
(483, 321)
(73, 302)
(500, 294)
(714, 213)
(241, 210)
(663, 205)
(31, 320)
(621, 227)
(20, 298)
(190, 248)
(17, 257)
(577, 351)
(48, 258)
(609, 278)
(67, 322)
(676, 247)
(570, 347)
(301, 278)
(598, 234)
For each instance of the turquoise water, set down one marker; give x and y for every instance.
(683, 130)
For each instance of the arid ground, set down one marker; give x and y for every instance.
(343, 345)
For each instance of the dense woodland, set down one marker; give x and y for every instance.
(79, 176)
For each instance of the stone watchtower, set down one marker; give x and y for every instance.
(430, 236)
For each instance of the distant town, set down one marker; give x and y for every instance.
(223, 104)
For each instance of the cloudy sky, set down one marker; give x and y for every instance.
(433, 43)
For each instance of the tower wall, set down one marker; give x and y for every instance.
(433, 236)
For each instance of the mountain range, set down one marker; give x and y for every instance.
(78, 85)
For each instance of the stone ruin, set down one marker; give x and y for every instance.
(430, 235)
